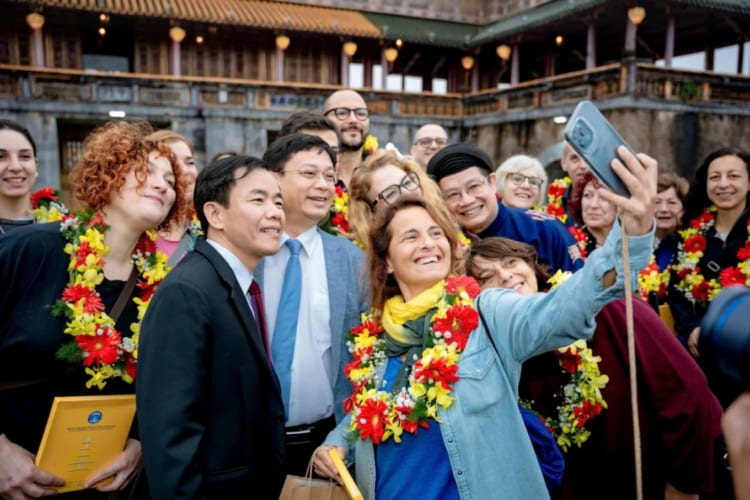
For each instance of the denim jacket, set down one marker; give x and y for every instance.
(483, 432)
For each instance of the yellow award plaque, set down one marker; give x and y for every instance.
(83, 435)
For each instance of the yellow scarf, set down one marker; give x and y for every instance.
(396, 312)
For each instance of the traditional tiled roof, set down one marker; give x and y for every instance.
(255, 13)
(532, 18)
(423, 31)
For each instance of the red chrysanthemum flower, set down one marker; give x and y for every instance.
(586, 411)
(437, 370)
(700, 291)
(459, 322)
(131, 365)
(100, 349)
(372, 419)
(92, 301)
(695, 243)
(97, 220)
(555, 210)
(568, 361)
(732, 276)
(43, 194)
(744, 252)
(83, 251)
(456, 284)
(371, 326)
(701, 221)
(146, 245)
(341, 223)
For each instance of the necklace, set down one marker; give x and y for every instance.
(581, 397)
(650, 280)
(104, 351)
(582, 238)
(696, 288)
(379, 415)
(555, 193)
(46, 205)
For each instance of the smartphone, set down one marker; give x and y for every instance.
(596, 142)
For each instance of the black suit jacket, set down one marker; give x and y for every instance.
(209, 405)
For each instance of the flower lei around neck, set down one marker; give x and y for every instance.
(194, 226)
(696, 288)
(104, 351)
(46, 205)
(581, 398)
(581, 236)
(650, 280)
(379, 415)
(555, 193)
(370, 146)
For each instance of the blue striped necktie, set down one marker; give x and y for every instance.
(285, 332)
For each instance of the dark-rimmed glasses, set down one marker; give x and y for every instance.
(518, 178)
(474, 188)
(389, 195)
(310, 174)
(425, 142)
(343, 113)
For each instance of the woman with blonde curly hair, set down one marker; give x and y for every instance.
(74, 293)
(179, 238)
(379, 182)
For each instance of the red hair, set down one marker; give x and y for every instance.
(110, 153)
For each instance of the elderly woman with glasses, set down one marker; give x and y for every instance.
(521, 182)
(380, 181)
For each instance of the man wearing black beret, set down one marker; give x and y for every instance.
(466, 177)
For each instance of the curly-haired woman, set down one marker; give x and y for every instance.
(96, 269)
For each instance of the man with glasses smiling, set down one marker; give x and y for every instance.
(348, 112)
(309, 353)
(428, 140)
(467, 180)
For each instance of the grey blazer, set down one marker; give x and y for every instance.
(348, 299)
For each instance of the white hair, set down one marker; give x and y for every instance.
(515, 164)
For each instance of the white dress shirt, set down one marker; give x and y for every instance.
(241, 274)
(311, 392)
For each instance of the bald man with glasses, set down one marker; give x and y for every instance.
(428, 140)
(348, 112)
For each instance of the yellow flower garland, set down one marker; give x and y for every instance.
(581, 397)
(379, 415)
(105, 353)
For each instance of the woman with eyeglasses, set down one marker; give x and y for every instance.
(380, 181)
(679, 417)
(521, 182)
(433, 413)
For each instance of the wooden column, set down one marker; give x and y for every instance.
(591, 46)
(515, 63)
(669, 43)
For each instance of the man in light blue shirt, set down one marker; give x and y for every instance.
(330, 302)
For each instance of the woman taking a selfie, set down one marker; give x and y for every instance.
(73, 297)
(434, 412)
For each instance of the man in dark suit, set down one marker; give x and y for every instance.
(309, 353)
(210, 411)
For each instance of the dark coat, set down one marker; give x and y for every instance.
(209, 404)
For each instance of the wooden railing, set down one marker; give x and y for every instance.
(646, 80)
(23, 83)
